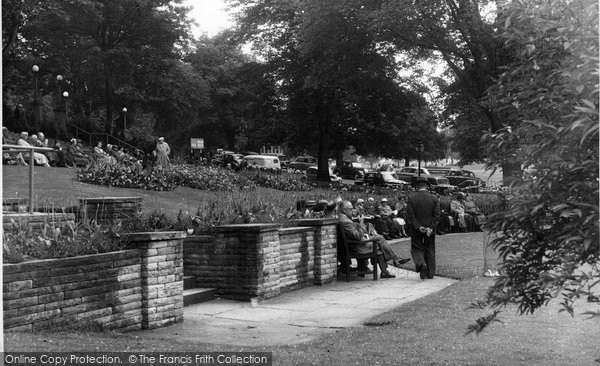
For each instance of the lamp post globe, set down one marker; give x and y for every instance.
(35, 68)
(124, 118)
(59, 77)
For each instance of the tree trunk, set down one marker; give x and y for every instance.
(108, 99)
(324, 147)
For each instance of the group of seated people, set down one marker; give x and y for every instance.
(464, 215)
(74, 154)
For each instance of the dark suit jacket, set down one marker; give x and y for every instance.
(423, 209)
(354, 232)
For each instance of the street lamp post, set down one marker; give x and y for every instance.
(124, 119)
(420, 149)
(66, 96)
(36, 102)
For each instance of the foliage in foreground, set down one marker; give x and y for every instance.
(548, 236)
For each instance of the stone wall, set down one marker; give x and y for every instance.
(259, 261)
(104, 289)
(325, 248)
(203, 258)
(109, 208)
(296, 257)
(139, 288)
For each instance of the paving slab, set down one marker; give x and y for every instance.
(299, 316)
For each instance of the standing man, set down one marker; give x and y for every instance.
(423, 211)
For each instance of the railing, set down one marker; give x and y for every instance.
(31, 150)
(101, 136)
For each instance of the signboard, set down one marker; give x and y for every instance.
(197, 144)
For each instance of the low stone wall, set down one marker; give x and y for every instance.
(103, 289)
(259, 261)
(296, 257)
(105, 209)
(139, 288)
(203, 258)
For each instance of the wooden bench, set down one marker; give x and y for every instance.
(345, 256)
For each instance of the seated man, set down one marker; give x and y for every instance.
(76, 156)
(380, 225)
(354, 231)
(388, 214)
(457, 207)
(478, 218)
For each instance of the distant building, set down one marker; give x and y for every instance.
(272, 150)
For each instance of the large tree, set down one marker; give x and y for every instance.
(548, 236)
(112, 54)
(339, 83)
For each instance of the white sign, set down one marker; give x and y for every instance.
(197, 143)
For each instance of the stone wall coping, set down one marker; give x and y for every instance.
(316, 221)
(110, 199)
(155, 236)
(200, 237)
(296, 229)
(247, 228)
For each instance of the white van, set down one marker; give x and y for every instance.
(265, 162)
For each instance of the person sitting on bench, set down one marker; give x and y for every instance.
(354, 231)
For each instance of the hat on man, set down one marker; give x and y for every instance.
(371, 199)
(384, 199)
(161, 139)
(360, 200)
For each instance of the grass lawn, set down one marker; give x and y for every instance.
(57, 186)
(428, 331)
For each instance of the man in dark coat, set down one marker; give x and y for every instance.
(423, 211)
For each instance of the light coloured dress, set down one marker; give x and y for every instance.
(162, 155)
(40, 159)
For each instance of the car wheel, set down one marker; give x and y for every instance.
(357, 176)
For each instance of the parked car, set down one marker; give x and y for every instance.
(351, 170)
(235, 161)
(263, 162)
(302, 163)
(437, 183)
(457, 176)
(383, 179)
(408, 172)
(311, 174)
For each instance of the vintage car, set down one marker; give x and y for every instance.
(351, 170)
(408, 172)
(383, 179)
(311, 174)
(457, 176)
(302, 163)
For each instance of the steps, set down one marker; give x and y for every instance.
(195, 295)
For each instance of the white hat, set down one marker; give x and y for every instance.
(384, 199)
(360, 200)
(161, 139)
(371, 199)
